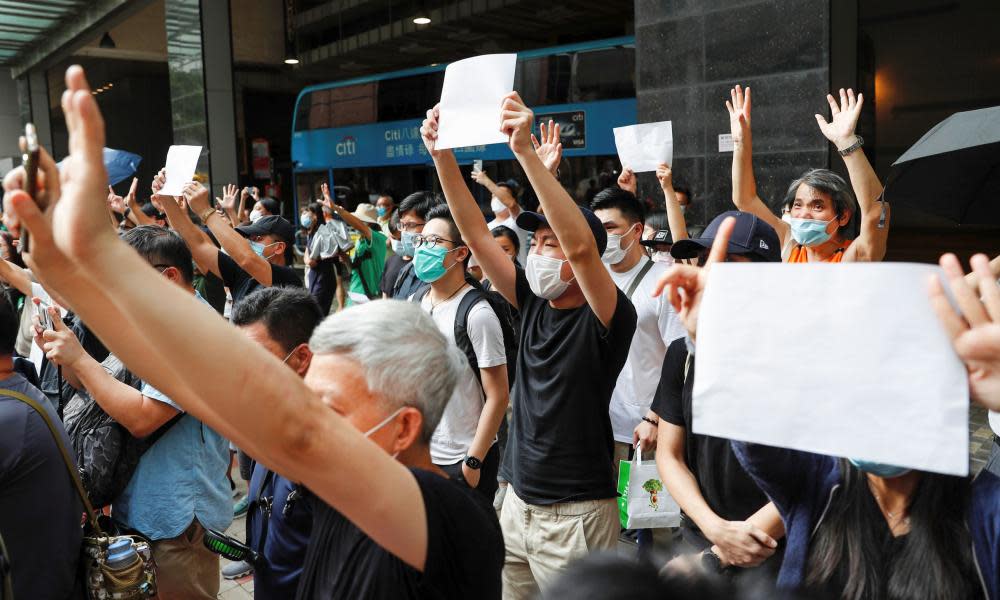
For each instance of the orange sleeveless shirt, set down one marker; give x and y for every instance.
(799, 254)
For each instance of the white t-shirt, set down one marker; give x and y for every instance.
(523, 235)
(656, 327)
(995, 421)
(454, 435)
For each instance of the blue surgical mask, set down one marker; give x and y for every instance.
(810, 232)
(879, 469)
(306, 220)
(381, 211)
(428, 263)
(259, 248)
(406, 243)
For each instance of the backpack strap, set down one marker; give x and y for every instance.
(462, 340)
(418, 297)
(67, 460)
(638, 278)
(163, 429)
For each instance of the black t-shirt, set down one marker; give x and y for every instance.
(726, 487)
(561, 445)
(465, 551)
(241, 283)
(39, 508)
(393, 265)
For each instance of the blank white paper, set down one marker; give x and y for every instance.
(644, 147)
(470, 100)
(181, 164)
(837, 359)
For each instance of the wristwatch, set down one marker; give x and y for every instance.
(711, 561)
(473, 463)
(860, 141)
(205, 214)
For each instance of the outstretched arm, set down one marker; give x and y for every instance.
(15, 277)
(744, 183)
(256, 401)
(360, 226)
(562, 213)
(675, 217)
(204, 252)
(870, 243)
(496, 265)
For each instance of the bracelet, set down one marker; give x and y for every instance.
(651, 422)
(125, 213)
(858, 142)
(205, 214)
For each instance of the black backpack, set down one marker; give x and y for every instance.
(106, 453)
(504, 312)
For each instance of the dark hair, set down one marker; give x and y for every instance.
(681, 188)
(150, 210)
(420, 203)
(827, 182)
(288, 313)
(504, 231)
(624, 200)
(935, 560)
(271, 205)
(658, 221)
(441, 212)
(160, 246)
(9, 326)
(317, 212)
(15, 255)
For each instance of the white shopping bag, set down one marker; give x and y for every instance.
(643, 500)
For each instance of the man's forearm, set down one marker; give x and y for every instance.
(16, 277)
(122, 402)
(202, 249)
(675, 218)
(494, 411)
(562, 213)
(683, 488)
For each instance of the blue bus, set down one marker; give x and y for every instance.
(362, 135)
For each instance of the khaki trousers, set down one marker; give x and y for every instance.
(185, 568)
(541, 541)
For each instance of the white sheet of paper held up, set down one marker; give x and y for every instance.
(181, 164)
(643, 147)
(470, 100)
(837, 359)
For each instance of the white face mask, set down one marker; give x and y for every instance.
(543, 276)
(496, 205)
(255, 215)
(385, 422)
(663, 257)
(614, 253)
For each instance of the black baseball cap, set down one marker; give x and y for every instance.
(269, 225)
(662, 236)
(751, 236)
(531, 221)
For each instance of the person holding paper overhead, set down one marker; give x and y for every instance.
(859, 529)
(576, 327)
(252, 255)
(821, 203)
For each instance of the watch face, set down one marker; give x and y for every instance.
(472, 462)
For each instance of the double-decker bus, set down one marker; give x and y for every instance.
(362, 135)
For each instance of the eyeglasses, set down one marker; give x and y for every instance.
(410, 226)
(430, 240)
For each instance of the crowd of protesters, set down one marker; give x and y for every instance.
(437, 408)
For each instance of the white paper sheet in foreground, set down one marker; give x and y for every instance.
(181, 164)
(844, 360)
(470, 100)
(643, 147)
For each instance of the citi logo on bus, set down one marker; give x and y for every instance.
(347, 146)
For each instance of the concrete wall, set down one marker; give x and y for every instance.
(690, 53)
(10, 117)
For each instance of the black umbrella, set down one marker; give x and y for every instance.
(953, 171)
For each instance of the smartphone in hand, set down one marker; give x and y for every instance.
(29, 157)
(477, 165)
(42, 310)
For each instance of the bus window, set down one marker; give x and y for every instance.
(604, 74)
(544, 80)
(408, 97)
(336, 107)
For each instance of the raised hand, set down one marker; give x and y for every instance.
(481, 178)
(326, 201)
(685, 284)
(130, 196)
(516, 120)
(115, 202)
(844, 118)
(197, 197)
(429, 130)
(975, 333)
(60, 344)
(665, 175)
(255, 193)
(48, 184)
(550, 148)
(738, 106)
(627, 181)
(228, 200)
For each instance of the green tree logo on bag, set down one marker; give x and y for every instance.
(653, 486)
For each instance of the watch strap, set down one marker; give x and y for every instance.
(858, 143)
(205, 214)
(473, 463)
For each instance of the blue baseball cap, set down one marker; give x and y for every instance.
(751, 235)
(531, 221)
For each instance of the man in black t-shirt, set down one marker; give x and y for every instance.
(576, 328)
(255, 255)
(725, 515)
